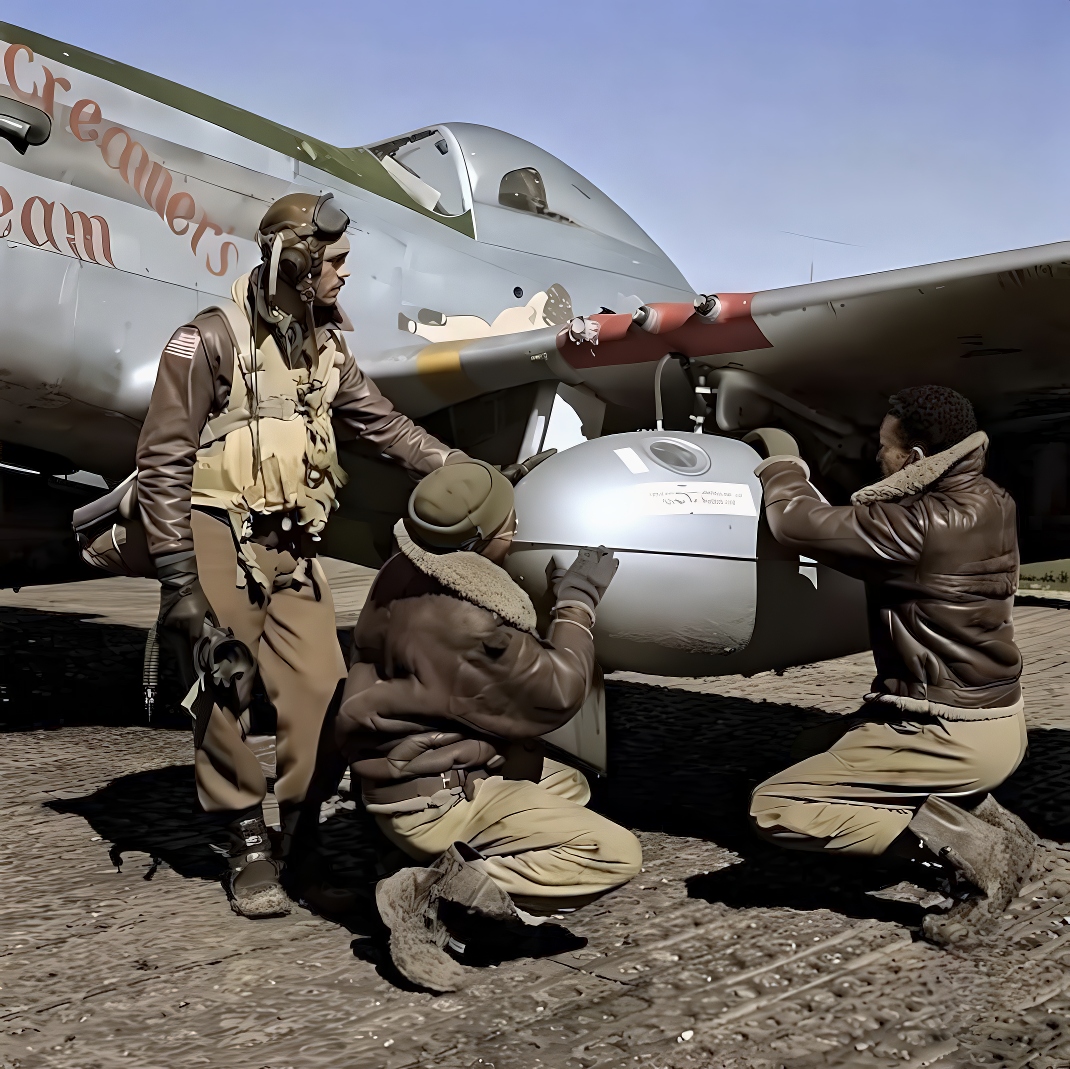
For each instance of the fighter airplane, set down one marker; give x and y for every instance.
(505, 302)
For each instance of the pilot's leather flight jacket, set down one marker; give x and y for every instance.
(451, 682)
(192, 396)
(936, 544)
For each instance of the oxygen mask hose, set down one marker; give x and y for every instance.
(150, 672)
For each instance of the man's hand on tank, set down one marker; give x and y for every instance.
(588, 577)
(772, 442)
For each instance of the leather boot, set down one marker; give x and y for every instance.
(991, 812)
(409, 904)
(307, 873)
(991, 854)
(253, 880)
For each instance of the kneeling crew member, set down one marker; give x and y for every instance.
(936, 543)
(450, 689)
(237, 475)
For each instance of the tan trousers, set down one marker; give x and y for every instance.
(861, 793)
(541, 844)
(292, 636)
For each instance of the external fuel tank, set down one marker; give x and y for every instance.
(702, 588)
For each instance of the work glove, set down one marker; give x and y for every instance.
(183, 605)
(515, 472)
(586, 580)
(772, 442)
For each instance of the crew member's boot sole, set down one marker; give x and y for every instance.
(268, 901)
(966, 923)
(414, 945)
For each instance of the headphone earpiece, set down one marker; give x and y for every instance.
(296, 256)
(295, 263)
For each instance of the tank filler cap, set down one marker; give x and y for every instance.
(684, 458)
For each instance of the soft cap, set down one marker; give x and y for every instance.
(459, 505)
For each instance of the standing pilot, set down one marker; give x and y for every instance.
(237, 475)
(943, 725)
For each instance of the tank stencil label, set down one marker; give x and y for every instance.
(694, 499)
(632, 460)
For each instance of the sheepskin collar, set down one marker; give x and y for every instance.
(916, 477)
(474, 578)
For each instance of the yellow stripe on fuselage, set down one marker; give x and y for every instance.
(439, 368)
(441, 358)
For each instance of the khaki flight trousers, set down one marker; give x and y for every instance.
(541, 844)
(862, 792)
(293, 637)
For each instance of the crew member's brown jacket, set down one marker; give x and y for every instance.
(449, 672)
(937, 546)
(192, 389)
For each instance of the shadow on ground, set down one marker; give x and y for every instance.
(681, 763)
(60, 670)
(155, 812)
(685, 764)
(66, 670)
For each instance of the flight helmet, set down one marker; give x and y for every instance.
(293, 235)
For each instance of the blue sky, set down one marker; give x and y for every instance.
(901, 132)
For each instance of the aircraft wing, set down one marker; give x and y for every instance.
(995, 327)
(421, 380)
(825, 357)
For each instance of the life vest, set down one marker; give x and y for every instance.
(273, 448)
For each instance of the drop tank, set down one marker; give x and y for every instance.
(702, 588)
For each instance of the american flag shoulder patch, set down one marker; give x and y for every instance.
(183, 343)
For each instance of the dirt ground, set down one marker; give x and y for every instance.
(117, 946)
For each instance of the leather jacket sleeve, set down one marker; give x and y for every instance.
(441, 659)
(361, 410)
(507, 684)
(545, 682)
(800, 519)
(192, 384)
(562, 670)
